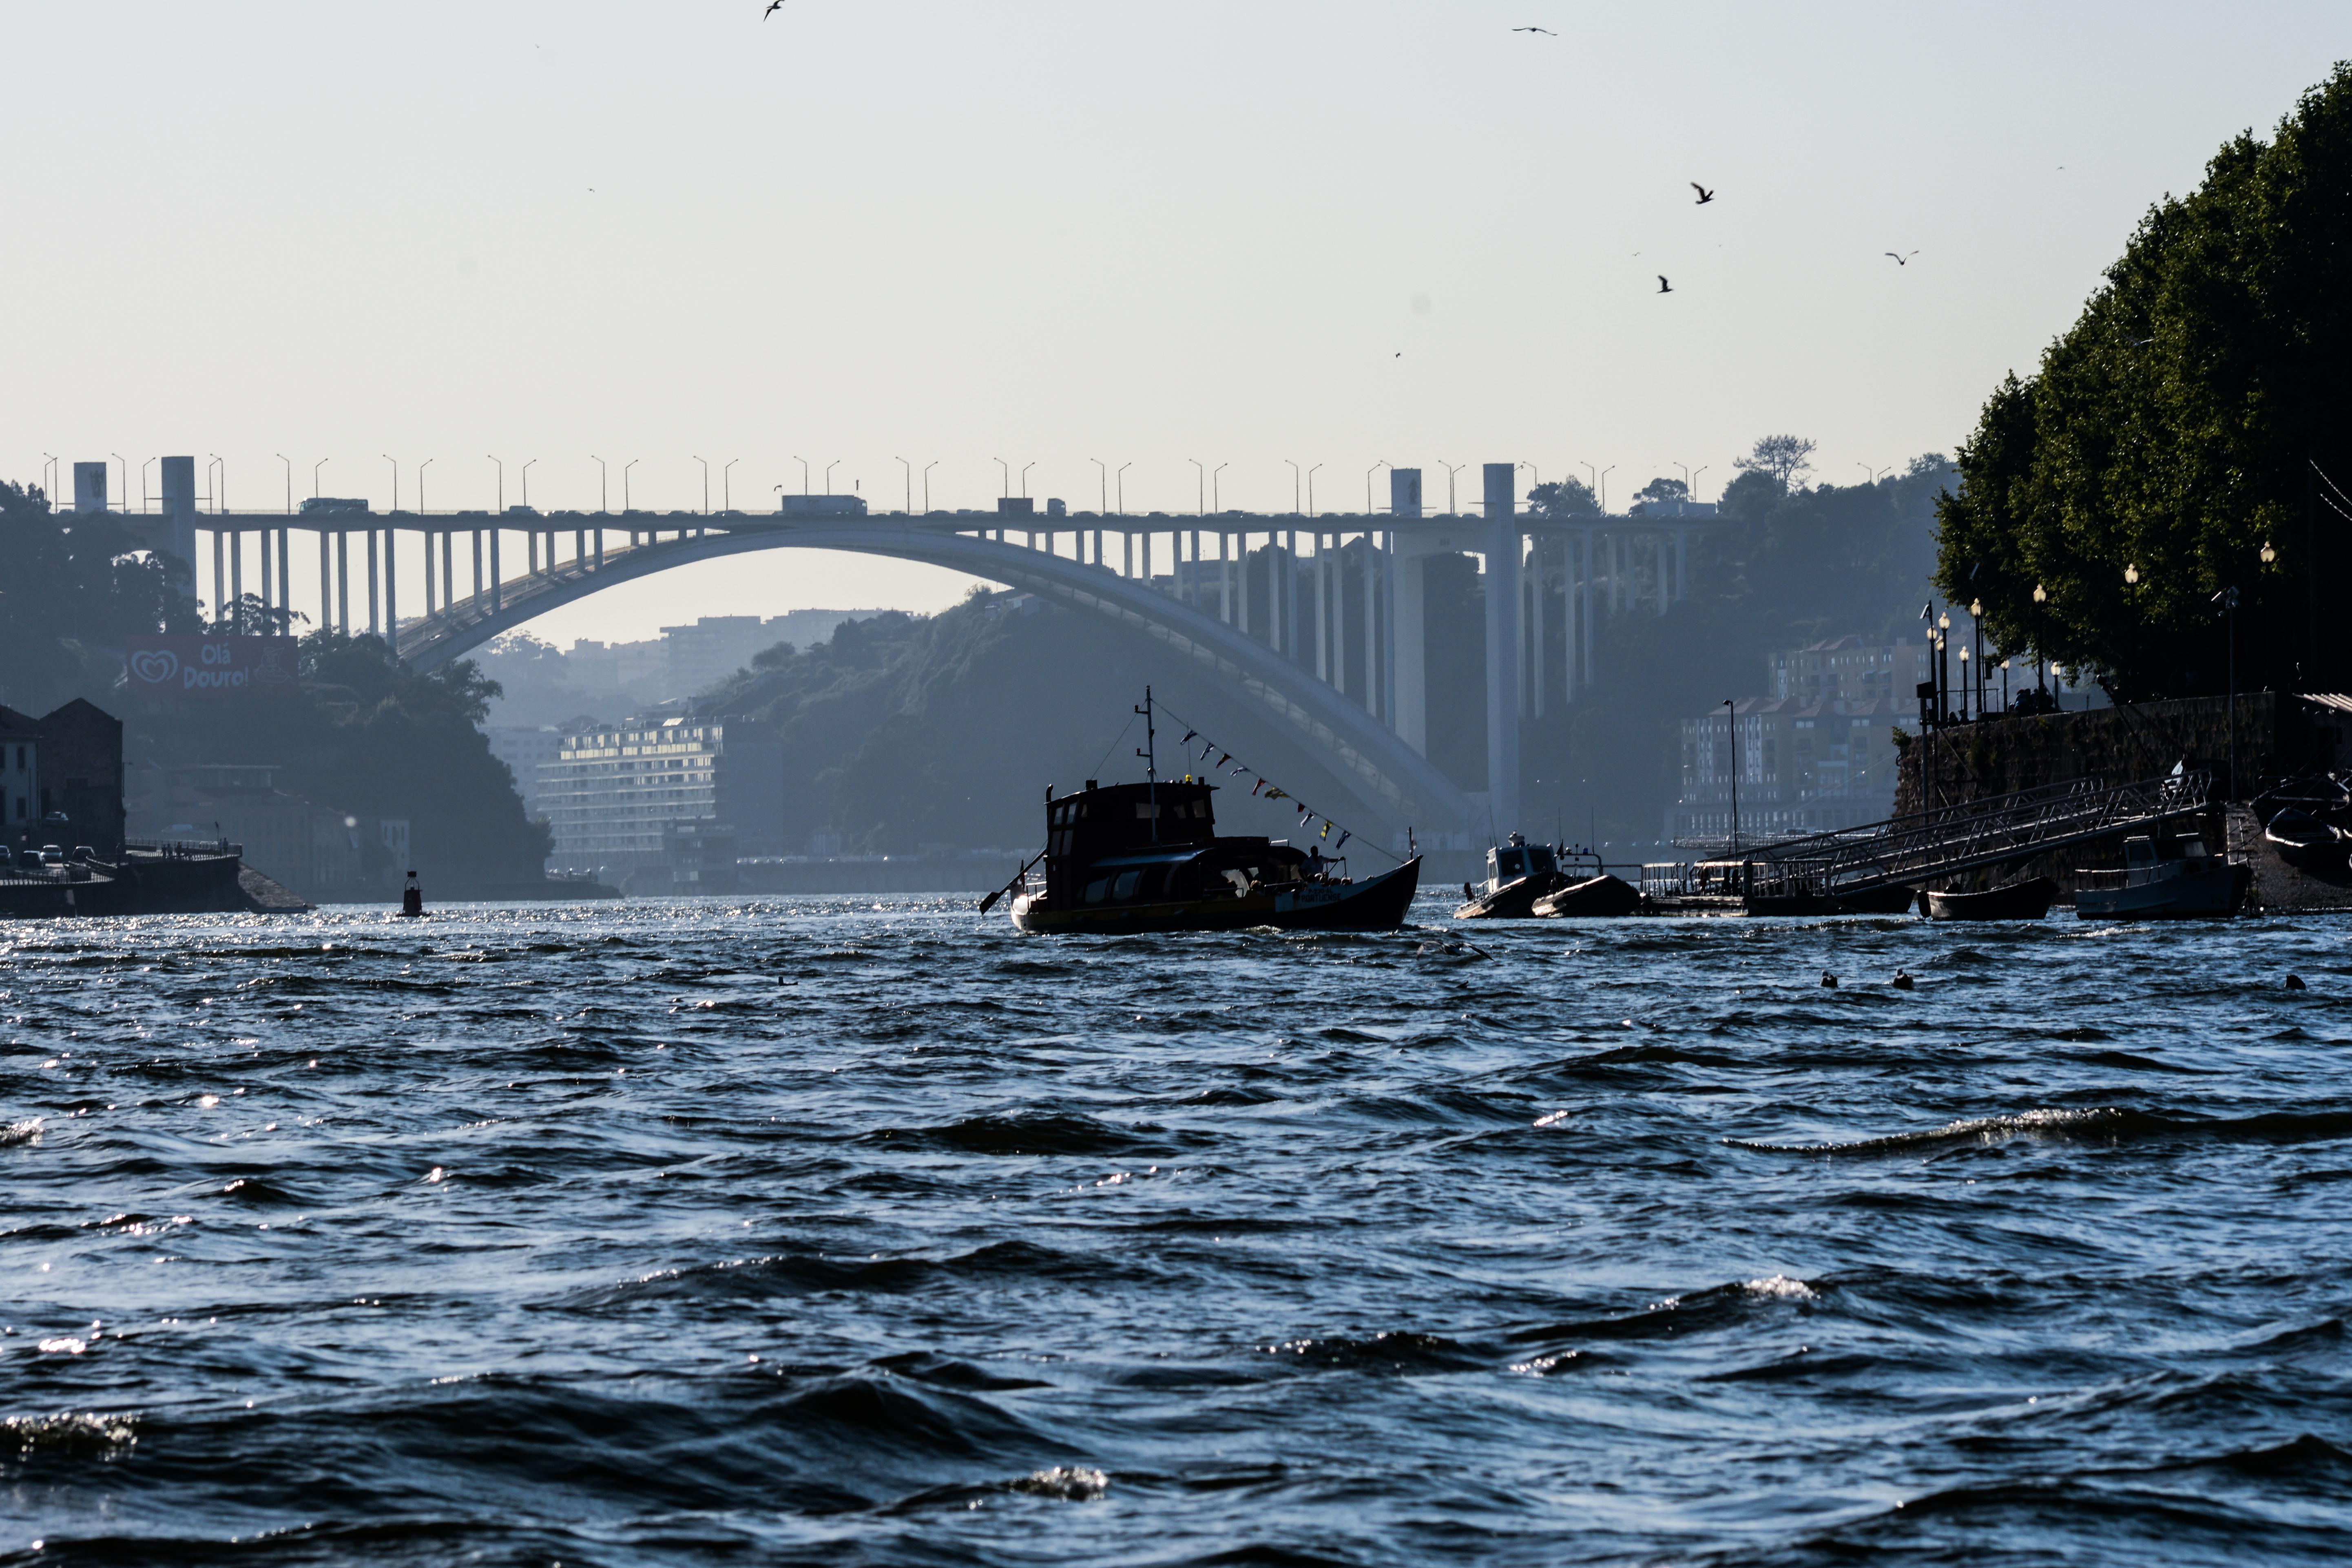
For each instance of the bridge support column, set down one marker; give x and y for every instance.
(375, 627)
(392, 588)
(477, 568)
(220, 579)
(343, 582)
(1502, 646)
(236, 577)
(286, 570)
(1536, 632)
(1372, 626)
(494, 570)
(326, 586)
(263, 562)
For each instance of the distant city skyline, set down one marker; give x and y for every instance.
(1048, 233)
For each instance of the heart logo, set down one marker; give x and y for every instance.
(155, 666)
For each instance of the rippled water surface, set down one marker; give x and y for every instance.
(856, 1231)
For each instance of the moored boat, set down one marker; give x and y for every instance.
(2026, 901)
(2174, 877)
(1518, 874)
(1130, 859)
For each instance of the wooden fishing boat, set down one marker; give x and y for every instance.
(1594, 897)
(1518, 874)
(2305, 840)
(2026, 901)
(2174, 877)
(1122, 860)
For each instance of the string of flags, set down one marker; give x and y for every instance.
(1261, 787)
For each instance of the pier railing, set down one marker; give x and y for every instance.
(1972, 834)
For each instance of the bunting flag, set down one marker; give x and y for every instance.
(1261, 787)
(1188, 736)
(1257, 786)
(1327, 828)
(1223, 759)
(1344, 837)
(1274, 794)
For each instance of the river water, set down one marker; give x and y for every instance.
(868, 1231)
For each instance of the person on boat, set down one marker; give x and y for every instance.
(1315, 863)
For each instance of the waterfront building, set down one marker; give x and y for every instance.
(612, 792)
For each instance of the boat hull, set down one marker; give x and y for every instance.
(1375, 903)
(1512, 901)
(1597, 898)
(2026, 901)
(2212, 895)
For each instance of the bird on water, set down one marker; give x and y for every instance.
(1829, 980)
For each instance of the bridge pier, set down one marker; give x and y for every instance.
(1502, 646)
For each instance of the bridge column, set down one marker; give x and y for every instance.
(263, 562)
(494, 570)
(477, 568)
(1536, 631)
(449, 571)
(343, 581)
(391, 588)
(1371, 623)
(220, 579)
(326, 585)
(286, 570)
(236, 577)
(374, 626)
(1502, 646)
(600, 549)
(179, 499)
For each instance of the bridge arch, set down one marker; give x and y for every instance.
(1395, 779)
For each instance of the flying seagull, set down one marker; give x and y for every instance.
(1664, 287)
(1547, 32)
(1704, 196)
(773, 7)
(1901, 260)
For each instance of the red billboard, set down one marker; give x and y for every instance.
(212, 666)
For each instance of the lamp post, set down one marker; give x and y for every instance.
(1451, 470)
(1297, 478)
(706, 483)
(1216, 496)
(281, 458)
(1201, 485)
(1376, 467)
(828, 475)
(143, 483)
(1731, 727)
(1592, 479)
(314, 476)
(1976, 635)
(2228, 599)
(927, 483)
(804, 473)
(909, 467)
(2041, 597)
(1310, 490)
(502, 480)
(727, 485)
(525, 477)
(626, 507)
(124, 504)
(49, 477)
(220, 486)
(1964, 684)
(1007, 490)
(1942, 667)
(1102, 476)
(395, 482)
(420, 485)
(1687, 477)
(1118, 482)
(1605, 487)
(1694, 479)
(1025, 477)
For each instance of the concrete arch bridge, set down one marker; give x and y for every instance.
(1319, 619)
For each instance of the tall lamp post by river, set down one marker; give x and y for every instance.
(2228, 599)
(2041, 597)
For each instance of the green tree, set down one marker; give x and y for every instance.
(72, 588)
(2196, 413)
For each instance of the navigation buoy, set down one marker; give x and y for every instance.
(2294, 983)
(1829, 980)
(412, 898)
(1902, 982)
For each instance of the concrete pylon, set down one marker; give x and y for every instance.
(179, 478)
(1409, 696)
(1503, 546)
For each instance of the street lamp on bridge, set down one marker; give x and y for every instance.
(1310, 490)
(1104, 476)
(1007, 489)
(705, 484)
(420, 485)
(1216, 495)
(1120, 481)
(927, 483)
(279, 455)
(395, 481)
(314, 476)
(828, 475)
(526, 485)
(1297, 478)
(1024, 476)
(1451, 470)
(726, 485)
(1375, 468)
(911, 481)
(502, 478)
(626, 508)
(804, 473)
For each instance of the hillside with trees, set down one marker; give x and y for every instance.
(2196, 416)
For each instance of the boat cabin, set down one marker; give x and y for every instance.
(1144, 843)
(1507, 862)
(2148, 858)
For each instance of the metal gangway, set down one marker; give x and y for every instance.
(1973, 835)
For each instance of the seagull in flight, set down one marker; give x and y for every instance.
(1664, 287)
(1547, 32)
(1901, 260)
(1704, 196)
(773, 7)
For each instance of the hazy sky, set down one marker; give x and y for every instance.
(1049, 231)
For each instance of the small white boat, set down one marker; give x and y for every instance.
(2171, 878)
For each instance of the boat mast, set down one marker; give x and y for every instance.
(1148, 752)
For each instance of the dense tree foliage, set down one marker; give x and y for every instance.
(72, 588)
(2199, 411)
